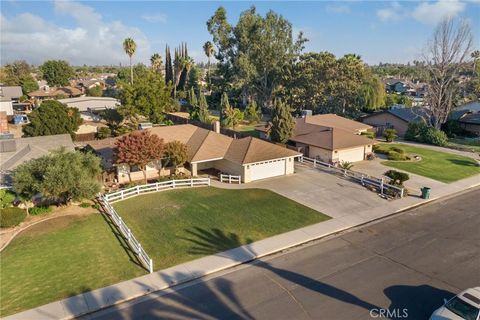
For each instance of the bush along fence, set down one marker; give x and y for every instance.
(365, 180)
(106, 200)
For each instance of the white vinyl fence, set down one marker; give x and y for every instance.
(154, 187)
(106, 200)
(363, 179)
(230, 178)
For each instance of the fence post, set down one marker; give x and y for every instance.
(122, 194)
(191, 182)
(229, 179)
(150, 266)
(129, 234)
(381, 187)
(362, 180)
(401, 193)
(208, 181)
(173, 184)
(157, 186)
(138, 189)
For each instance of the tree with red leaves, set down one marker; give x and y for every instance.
(139, 148)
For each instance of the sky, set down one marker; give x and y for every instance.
(92, 32)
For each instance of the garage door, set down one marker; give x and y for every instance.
(267, 169)
(351, 155)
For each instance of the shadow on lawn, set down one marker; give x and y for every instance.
(467, 163)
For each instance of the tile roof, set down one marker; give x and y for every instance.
(53, 92)
(205, 145)
(333, 121)
(11, 92)
(332, 139)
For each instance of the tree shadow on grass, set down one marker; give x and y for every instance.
(213, 241)
(465, 163)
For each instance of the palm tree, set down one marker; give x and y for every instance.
(209, 51)
(130, 46)
(156, 61)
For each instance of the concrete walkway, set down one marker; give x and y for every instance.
(101, 298)
(441, 149)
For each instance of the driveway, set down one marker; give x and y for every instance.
(322, 191)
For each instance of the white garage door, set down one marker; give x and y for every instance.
(267, 169)
(351, 155)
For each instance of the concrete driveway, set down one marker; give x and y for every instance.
(323, 192)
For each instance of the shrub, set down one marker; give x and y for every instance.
(395, 156)
(103, 133)
(6, 198)
(84, 205)
(390, 134)
(11, 217)
(369, 134)
(345, 165)
(399, 150)
(371, 156)
(414, 131)
(35, 211)
(435, 137)
(398, 177)
(96, 206)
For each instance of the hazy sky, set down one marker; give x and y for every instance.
(92, 32)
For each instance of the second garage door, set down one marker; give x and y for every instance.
(351, 155)
(267, 169)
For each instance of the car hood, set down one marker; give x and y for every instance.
(444, 314)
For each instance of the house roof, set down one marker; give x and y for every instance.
(53, 92)
(414, 114)
(204, 145)
(11, 92)
(14, 152)
(333, 121)
(331, 138)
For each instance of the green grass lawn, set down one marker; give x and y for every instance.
(60, 258)
(472, 145)
(441, 166)
(178, 226)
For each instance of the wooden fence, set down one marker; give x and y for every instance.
(363, 179)
(230, 178)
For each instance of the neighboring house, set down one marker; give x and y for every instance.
(395, 118)
(406, 87)
(250, 158)
(14, 152)
(11, 92)
(471, 122)
(88, 104)
(6, 105)
(3, 123)
(51, 93)
(329, 138)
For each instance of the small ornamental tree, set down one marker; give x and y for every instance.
(203, 114)
(253, 114)
(176, 153)
(138, 148)
(282, 123)
(390, 134)
(192, 98)
(225, 111)
(52, 117)
(60, 176)
(397, 177)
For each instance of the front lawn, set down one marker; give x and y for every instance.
(472, 145)
(59, 258)
(183, 225)
(441, 166)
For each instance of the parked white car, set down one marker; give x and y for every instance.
(464, 306)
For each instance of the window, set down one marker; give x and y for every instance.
(134, 168)
(462, 308)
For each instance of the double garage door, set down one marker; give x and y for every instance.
(351, 155)
(267, 169)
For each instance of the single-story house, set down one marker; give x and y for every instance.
(329, 138)
(87, 104)
(11, 92)
(6, 105)
(395, 118)
(471, 122)
(14, 152)
(51, 93)
(250, 158)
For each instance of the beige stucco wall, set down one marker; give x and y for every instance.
(323, 154)
(384, 118)
(152, 172)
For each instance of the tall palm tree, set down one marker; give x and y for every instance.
(209, 51)
(130, 46)
(156, 61)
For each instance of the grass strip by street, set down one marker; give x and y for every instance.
(170, 224)
(441, 166)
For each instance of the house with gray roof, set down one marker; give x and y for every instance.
(14, 152)
(11, 92)
(396, 118)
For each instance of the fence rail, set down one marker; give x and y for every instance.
(154, 187)
(363, 179)
(127, 234)
(106, 200)
(230, 178)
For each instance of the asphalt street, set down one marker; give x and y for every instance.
(399, 268)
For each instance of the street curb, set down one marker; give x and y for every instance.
(229, 259)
